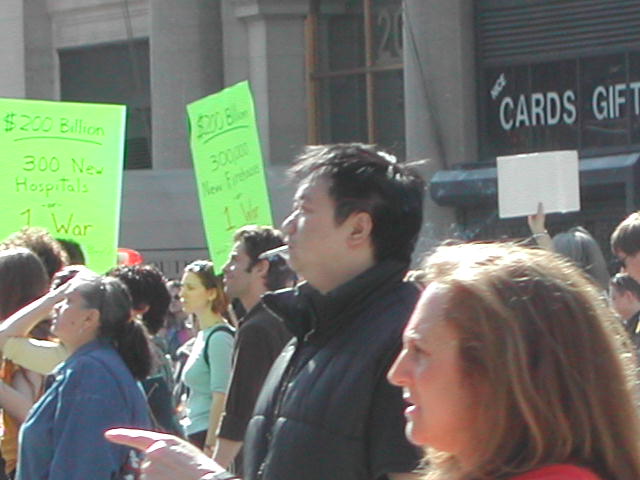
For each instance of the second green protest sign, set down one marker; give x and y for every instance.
(61, 169)
(228, 166)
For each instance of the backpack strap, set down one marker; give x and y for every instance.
(218, 328)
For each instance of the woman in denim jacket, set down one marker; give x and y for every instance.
(94, 389)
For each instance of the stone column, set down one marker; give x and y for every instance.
(186, 64)
(236, 49)
(440, 95)
(26, 49)
(276, 43)
(39, 67)
(12, 49)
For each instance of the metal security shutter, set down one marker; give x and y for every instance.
(510, 31)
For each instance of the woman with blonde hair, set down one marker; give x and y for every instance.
(515, 368)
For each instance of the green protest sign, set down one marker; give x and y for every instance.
(61, 169)
(228, 165)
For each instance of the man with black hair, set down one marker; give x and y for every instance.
(260, 336)
(326, 409)
(148, 292)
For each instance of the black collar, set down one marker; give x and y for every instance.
(256, 309)
(309, 314)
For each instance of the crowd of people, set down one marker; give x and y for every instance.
(332, 359)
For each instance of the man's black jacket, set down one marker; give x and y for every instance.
(326, 411)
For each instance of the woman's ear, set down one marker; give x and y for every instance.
(92, 320)
(213, 294)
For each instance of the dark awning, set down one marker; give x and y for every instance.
(469, 187)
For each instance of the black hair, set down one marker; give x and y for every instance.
(40, 242)
(147, 287)
(622, 282)
(22, 279)
(258, 239)
(111, 298)
(363, 178)
(73, 250)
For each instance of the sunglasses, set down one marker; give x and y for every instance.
(201, 266)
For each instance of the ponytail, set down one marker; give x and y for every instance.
(133, 347)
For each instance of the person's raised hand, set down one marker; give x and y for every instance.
(166, 457)
(68, 273)
(537, 221)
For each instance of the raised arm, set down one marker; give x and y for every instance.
(538, 229)
(21, 322)
(18, 398)
(41, 356)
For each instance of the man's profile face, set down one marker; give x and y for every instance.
(315, 241)
(237, 279)
(631, 264)
(175, 306)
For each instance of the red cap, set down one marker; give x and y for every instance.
(127, 256)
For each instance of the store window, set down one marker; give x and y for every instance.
(604, 101)
(114, 73)
(558, 74)
(355, 73)
(591, 104)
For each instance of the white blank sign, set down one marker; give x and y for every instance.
(548, 177)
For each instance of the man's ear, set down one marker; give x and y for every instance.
(261, 267)
(360, 226)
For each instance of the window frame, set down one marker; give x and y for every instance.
(315, 75)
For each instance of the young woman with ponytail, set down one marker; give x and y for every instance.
(94, 389)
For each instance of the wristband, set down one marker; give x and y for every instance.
(541, 234)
